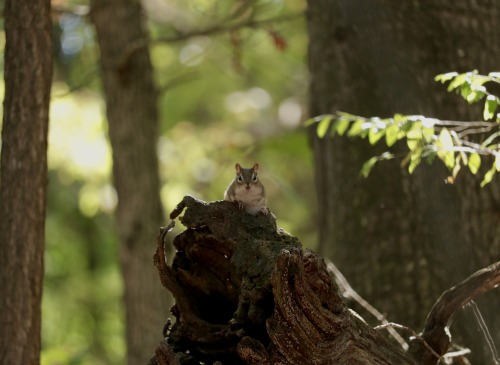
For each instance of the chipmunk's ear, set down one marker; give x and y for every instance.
(238, 168)
(255, 167)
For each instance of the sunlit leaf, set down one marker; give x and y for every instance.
(428, 134)
(391, 134)
(445, 145)
(474, 96)
(317, 119)
(341, 125)
(415, 159)
(488, 176)
(490, 107)
(368, 166)
(497, 162)
(400, 119)
(474, 162)
(445, 77)
(457, 82)
(445, 139)
(310, 122)
(357, 128)
(375, 134)
(478, 81)
(412, 144)
(465, 90)
(323, 126)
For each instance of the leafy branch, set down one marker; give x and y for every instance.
(428, 138)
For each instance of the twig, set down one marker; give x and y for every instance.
(436, 332)
(415, 335)
(486, 332)
(472, 123)
(351, 293)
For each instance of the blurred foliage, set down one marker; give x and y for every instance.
(235, 91)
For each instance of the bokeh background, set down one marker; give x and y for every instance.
(220, 103)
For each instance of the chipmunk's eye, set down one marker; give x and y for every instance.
(240, 178)
(254, 178)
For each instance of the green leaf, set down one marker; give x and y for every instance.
(429, 157)
(415, 132)
(457, 82)
(474, 96)
(311, 121)
(445, 77)
(357, 128)
(341, 125)
(414, 136)
(375, 134)
(428, 134)
(415, 159)
(400, 119)
(445, 146)
(412, 144)
(391, 134)
(497, 162)
(323, 125)
(465, 90)
(490, 107)
(368, 166)
(474, 162)
(488, 176)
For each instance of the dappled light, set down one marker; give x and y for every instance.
(333, 167)
(213, 113)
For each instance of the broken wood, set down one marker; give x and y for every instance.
(247, 293)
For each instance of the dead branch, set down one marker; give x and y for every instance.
(436, 332)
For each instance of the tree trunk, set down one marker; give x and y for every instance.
(28, 75)
(133, 130)
(394, 230)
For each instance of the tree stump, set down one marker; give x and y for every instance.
(247, 293)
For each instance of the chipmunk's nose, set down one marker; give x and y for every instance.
(247, 187)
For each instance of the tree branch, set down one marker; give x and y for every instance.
(212, 30)
(436, 332)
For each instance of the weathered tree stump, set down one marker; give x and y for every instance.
(247, 293)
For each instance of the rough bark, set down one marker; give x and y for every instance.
(378, 58)
(246, 293)
(133, 130)
(28, 74)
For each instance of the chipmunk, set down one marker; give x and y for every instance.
(247, 190)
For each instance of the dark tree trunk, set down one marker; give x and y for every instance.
(392, 230)
(28, 74)
(133, 130)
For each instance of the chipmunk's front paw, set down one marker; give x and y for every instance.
(240, 204)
